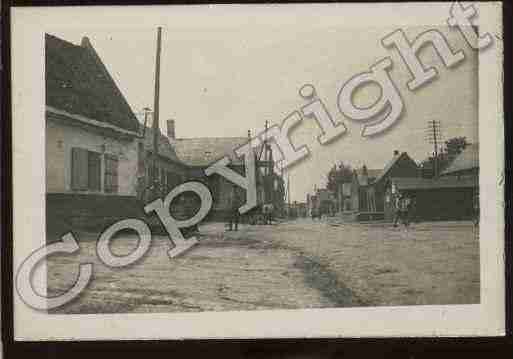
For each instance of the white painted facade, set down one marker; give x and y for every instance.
(61, 138)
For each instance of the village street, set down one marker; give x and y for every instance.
(291, 265)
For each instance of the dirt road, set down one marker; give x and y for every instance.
(299, 264)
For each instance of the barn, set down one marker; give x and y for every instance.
(445, 198)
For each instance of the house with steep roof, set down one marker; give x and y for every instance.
(368, 186)
(454, 195)
(201, 152)
(92, 136)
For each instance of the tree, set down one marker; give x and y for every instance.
(453, 147)
(427, 166)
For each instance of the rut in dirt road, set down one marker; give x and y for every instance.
(325, 281)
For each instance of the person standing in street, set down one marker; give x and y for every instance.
(475, 208)
(407, 210)
(234, 215)
(397, 208)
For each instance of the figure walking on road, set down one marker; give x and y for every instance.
(401, 205)
(397, 211)
(475, 215)
(234, 216)
(407, 208)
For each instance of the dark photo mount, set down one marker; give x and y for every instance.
(262, 348)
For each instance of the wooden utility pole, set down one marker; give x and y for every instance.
(288, 195)
(433, 136)
(266, 157)
(156, 130)
(435, 142)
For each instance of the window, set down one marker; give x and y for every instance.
(111, 174)
(85, 170)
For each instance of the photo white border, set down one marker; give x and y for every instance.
(28, 103)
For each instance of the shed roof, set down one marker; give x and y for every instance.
(466, 160)
(78, 83)
(416, 183)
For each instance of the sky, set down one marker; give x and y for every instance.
(218, 82)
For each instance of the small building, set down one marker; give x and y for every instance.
(327, 201)
(361, 177)
(445, 198)
(92, 139)
(322, 202)
(312, 204)
(369, 188)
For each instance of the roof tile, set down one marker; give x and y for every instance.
(203, 151)
(77, 82)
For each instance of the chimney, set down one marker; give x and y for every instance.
(85, 42)
(171, 129)
(396, 152)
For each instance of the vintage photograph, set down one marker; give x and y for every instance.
(392, 219)
(222, 172)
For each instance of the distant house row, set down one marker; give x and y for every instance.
(371, 193)
(452, 196)
(99, 158)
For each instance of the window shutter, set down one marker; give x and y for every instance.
(94, 171)
(111, 174)
(79, 169)
(115, 174)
